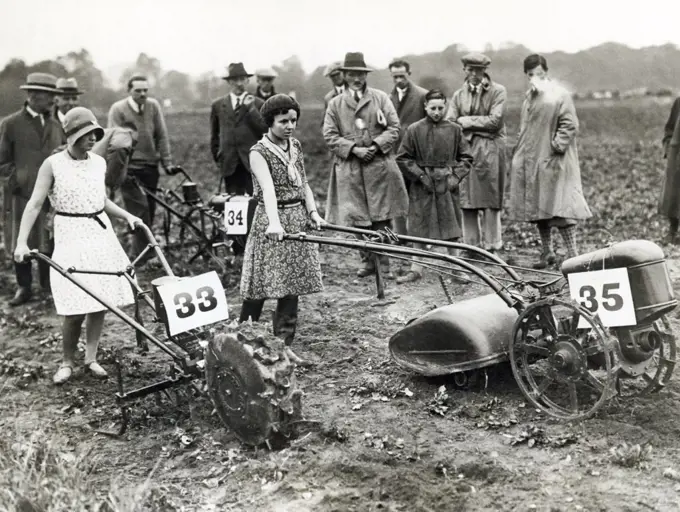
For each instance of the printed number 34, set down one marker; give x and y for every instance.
(185, 301)
(610, 301)
(232, 218)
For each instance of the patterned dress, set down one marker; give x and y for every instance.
(272, 269)
(84, 242)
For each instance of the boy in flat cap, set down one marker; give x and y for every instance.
(337, 77)
(479, 108)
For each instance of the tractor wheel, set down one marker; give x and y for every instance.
(251, 382)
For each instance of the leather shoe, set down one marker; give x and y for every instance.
(546, 260)
(410, 277)
(365, 272)
(22, 296)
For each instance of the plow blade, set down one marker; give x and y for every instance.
(468, 335)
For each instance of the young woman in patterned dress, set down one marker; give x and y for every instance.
(83, 238)
(272, 268)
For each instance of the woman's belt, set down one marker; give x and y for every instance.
(289, 203)
(93, 216)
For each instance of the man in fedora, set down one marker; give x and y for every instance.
(235, 126)
(265, 83)
(366, 188)
(27, 137)
(152, 150)
(479, 108)
(67, 98)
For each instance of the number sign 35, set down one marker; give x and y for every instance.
(194, 302)
(605, 293)
(236, 217)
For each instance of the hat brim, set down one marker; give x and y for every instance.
(367, 70)
(236, 76)
(71, 139)
(39, 88)
(475, 65)
(69, 93)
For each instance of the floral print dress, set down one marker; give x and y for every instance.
(273, 269)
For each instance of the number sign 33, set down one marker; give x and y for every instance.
(605, 293)
(236, 217)
(194, 302)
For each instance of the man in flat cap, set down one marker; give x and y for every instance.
(68, 97)
(337, 77)
(235, 126)
(27, 137)
(366, 188)
(265, 83)
(479, 107)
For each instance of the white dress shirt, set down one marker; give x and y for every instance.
(34, 114)
(234, 98)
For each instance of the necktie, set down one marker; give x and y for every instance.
(238, 103)
(141, 110)
(356, 96)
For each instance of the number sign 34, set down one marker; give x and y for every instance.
(605, 293)
(236, 217)
(194, 302)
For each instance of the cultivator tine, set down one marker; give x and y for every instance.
(379, 280)
(142, 344)
(123, 408)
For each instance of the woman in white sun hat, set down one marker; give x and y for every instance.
(83, 237)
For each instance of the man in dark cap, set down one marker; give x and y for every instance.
(265, 83)
(334, 73)
(479, 107)
(366, 188)
(27, 137)
(235, 125)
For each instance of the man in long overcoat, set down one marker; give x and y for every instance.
(366, 188)
(545, 184)
(27, 137)
(409, 101)
(479, 108)
(235, 126)
(669, 205)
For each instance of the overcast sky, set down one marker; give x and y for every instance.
(204, 35)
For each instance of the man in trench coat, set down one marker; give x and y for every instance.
(479, 108)
(545, 183)
(366, 188)
(669, 205)
(27, 137)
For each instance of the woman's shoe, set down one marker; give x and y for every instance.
(96, 370)
(546, 260)
(63, 374)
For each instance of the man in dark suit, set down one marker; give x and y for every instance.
(409, 101)
(235, 126)
(27, 137)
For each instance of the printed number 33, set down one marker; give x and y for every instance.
(206, 302)
(611, 301)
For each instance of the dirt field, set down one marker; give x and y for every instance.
(387, 439)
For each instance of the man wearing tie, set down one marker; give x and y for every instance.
(479, 107)
(235, 126)
(27, 137)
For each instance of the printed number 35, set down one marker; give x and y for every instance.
(610, 301)
(206, 302)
